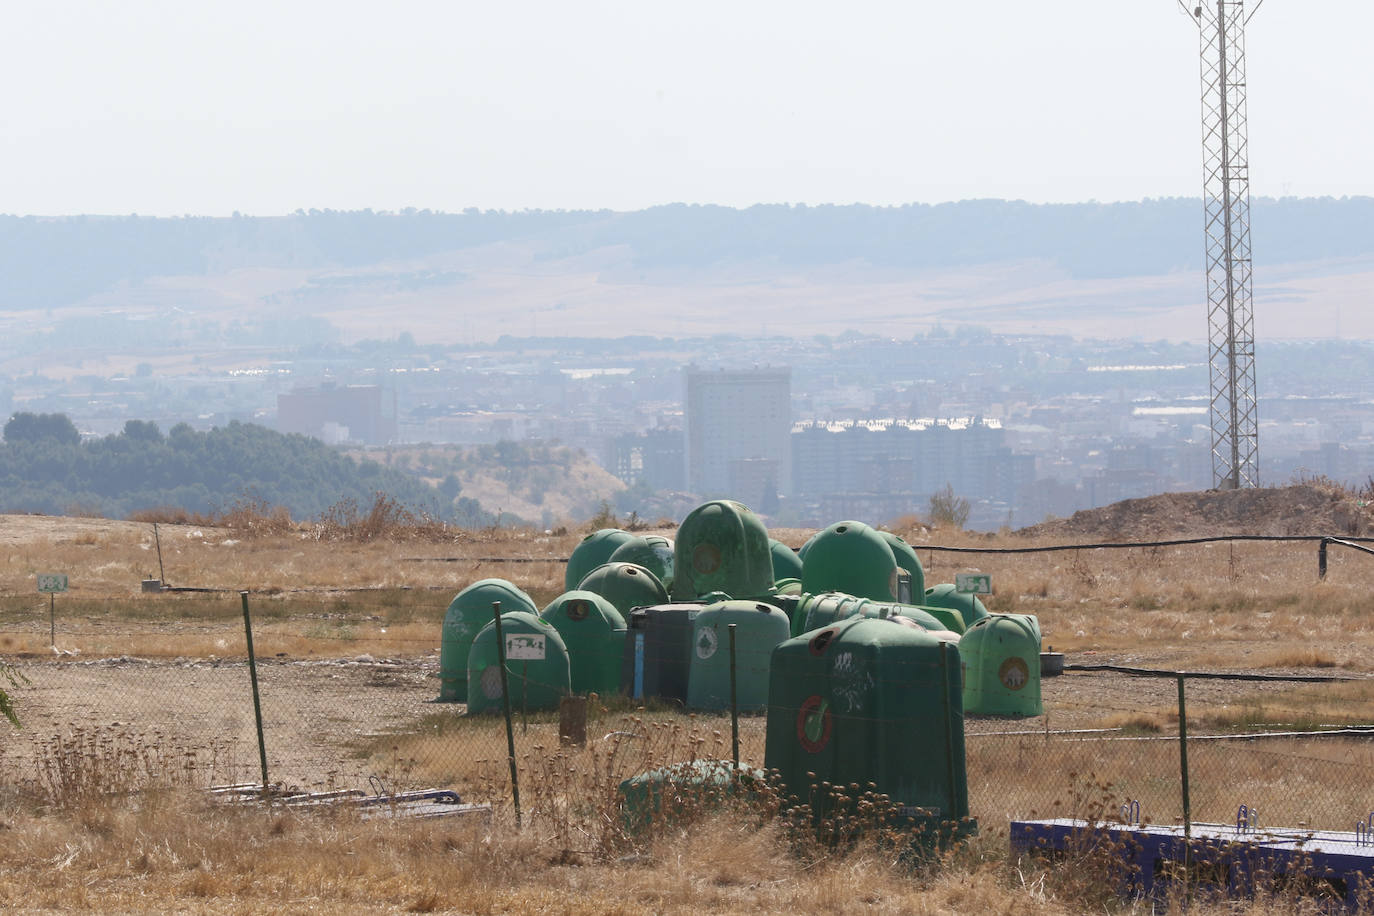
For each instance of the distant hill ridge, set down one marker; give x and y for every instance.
(54, 261)
(1312, 508)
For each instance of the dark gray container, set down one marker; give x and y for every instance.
(657, 651)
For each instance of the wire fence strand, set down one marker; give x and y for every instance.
(353, 721)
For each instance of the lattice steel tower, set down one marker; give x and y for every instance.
(1226, 207)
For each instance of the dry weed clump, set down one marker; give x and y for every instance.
(88, 764)
(14, 678)
(385, 519)
(255, 518)
(173, 515)
(1095, 870)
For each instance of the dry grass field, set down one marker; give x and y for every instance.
(143, 702)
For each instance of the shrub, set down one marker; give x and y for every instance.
(948, 509)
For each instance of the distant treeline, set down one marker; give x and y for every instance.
(46, 467)
(53, 261)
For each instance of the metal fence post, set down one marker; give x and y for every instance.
(505, 702)
(1321, 558)
(1183, 771)
(157, 539)
(734, 703)
(253, 674)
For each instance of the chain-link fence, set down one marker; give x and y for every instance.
(170, 710)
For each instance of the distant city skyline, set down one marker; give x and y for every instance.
(170, 109)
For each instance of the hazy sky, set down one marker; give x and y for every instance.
(263, 107)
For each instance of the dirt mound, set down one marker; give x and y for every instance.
(1298, 509)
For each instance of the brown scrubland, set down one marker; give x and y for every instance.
(116, 822)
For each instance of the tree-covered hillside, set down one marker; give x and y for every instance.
(45, 467)
(47, 262)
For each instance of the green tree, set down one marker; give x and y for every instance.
(948, 509)
(450, 488)
(143, 431)
(199, 472)
(35, 427)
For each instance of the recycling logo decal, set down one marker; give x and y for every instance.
(707, 643)
(814, 724)
(1014, 673)
(706, 558)
(491, 682)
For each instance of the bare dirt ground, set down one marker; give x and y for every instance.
(322, 718)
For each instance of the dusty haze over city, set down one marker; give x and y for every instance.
(468, 210)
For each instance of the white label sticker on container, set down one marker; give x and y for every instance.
(527, 647)
(707, 643)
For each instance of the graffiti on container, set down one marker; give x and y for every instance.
(851, 681)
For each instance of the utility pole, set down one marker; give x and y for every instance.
(1226, 231)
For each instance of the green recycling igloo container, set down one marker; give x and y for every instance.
(467, 613)
(853, 558)
(625, 585)
(906, 558)
(967, 604)
(919, 615)
(787, 600)
(759, 627)
(537, 665)
(1031, 621)
(683, 790)
(594, 632)
(786, 563)
(822, 610)
(722, 546)
(869, 700)
(654, 552)
(593, 550)
(1001, 656)
(948, 616)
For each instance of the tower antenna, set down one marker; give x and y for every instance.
(1226, 232)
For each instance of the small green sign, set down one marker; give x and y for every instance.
(973, 583)
(51, 582)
